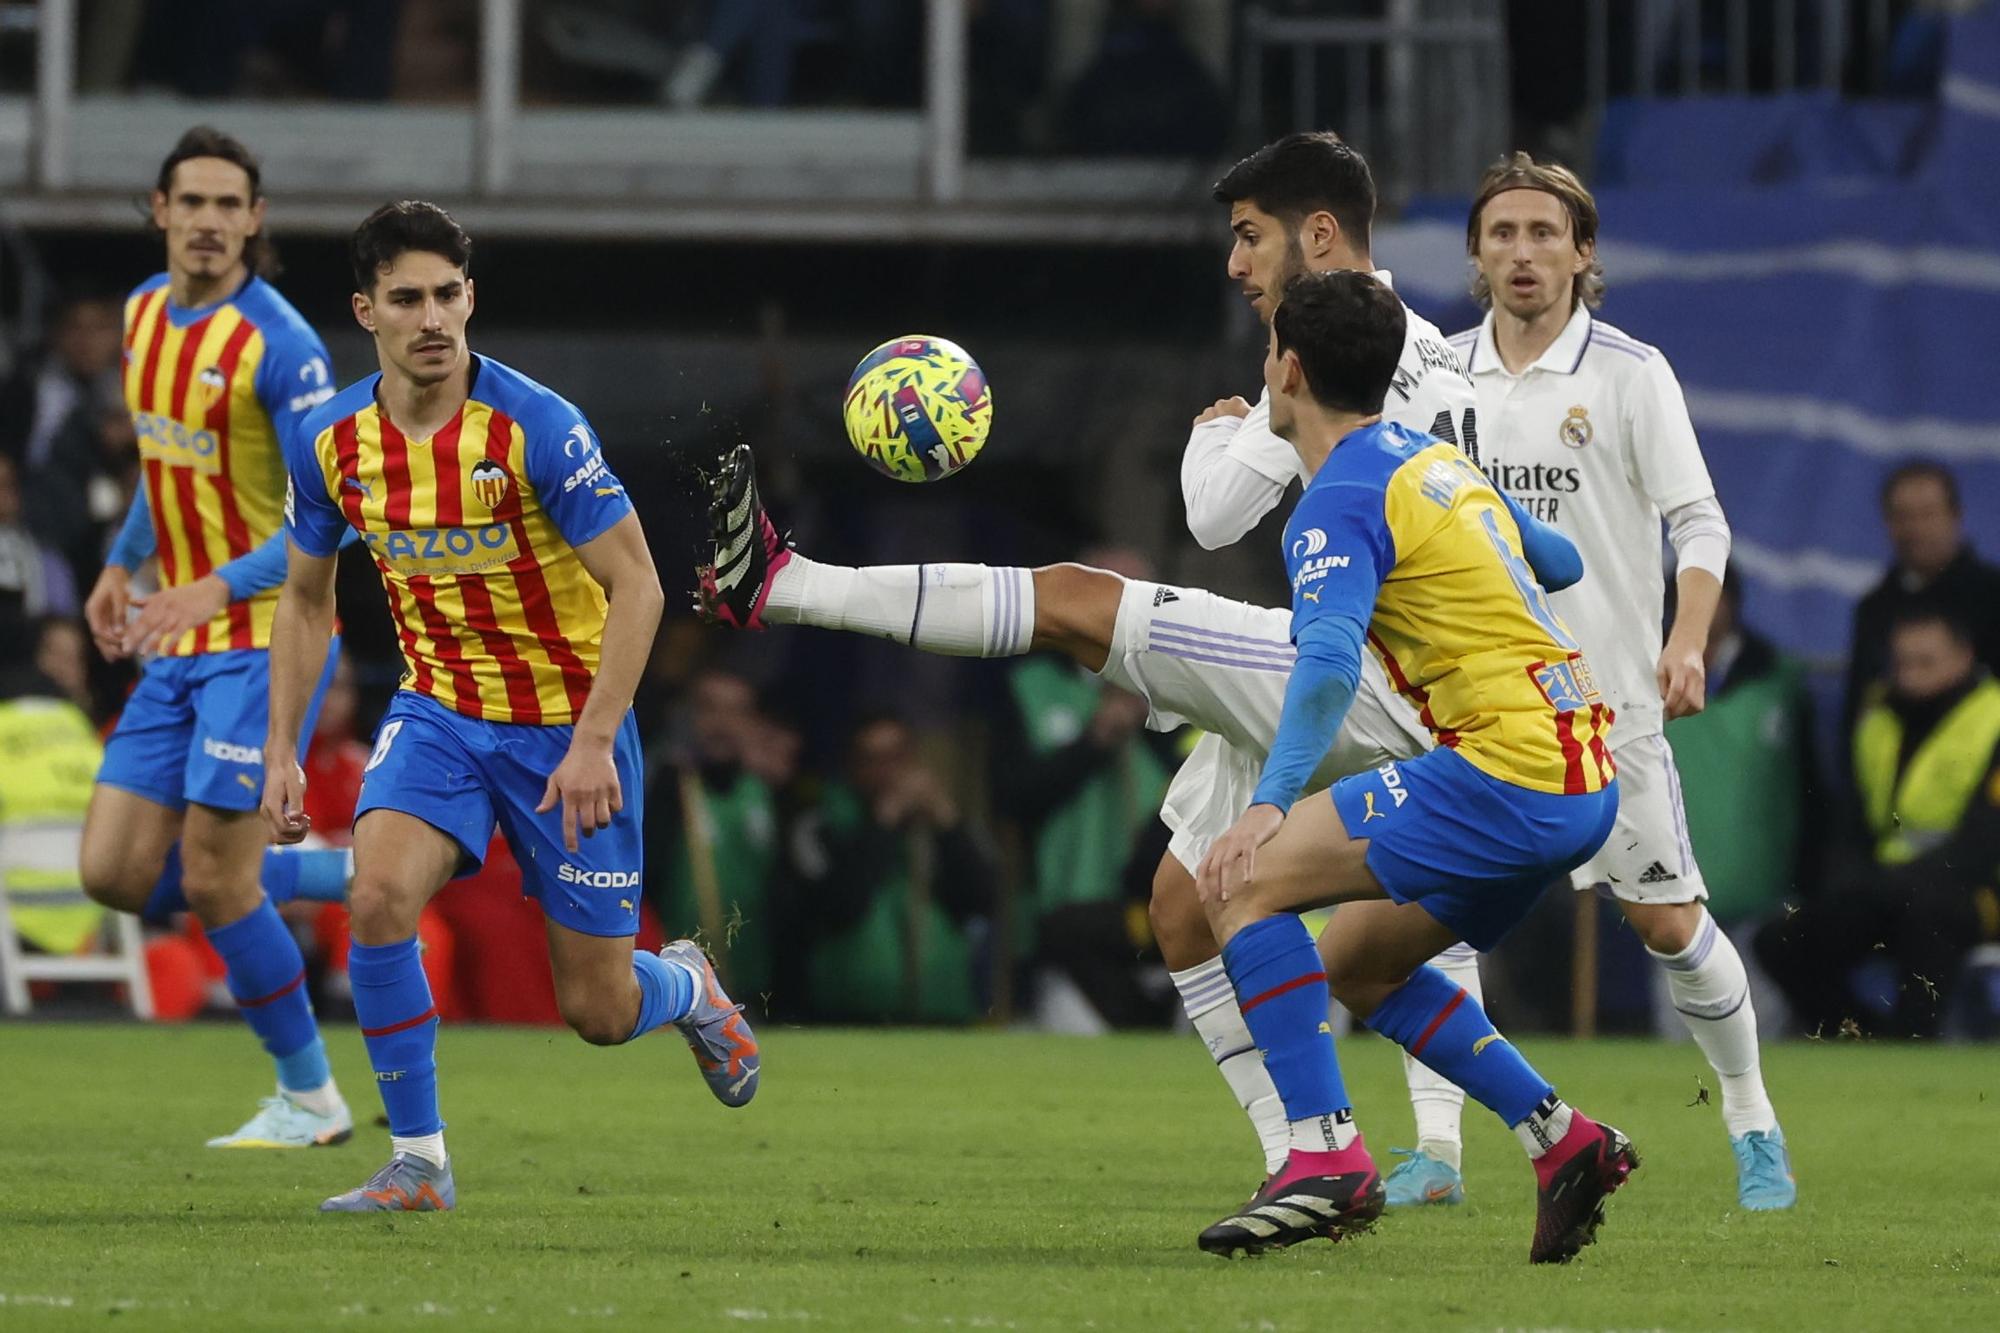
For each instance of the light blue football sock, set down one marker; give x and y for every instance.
(317, 874)
(666, 992)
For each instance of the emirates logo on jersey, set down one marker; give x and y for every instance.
(1576, 430)
(489, 482)
(209, 387)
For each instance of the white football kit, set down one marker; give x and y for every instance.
(1594, 439)
(1223, 664)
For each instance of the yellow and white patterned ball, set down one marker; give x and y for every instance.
(918, 408)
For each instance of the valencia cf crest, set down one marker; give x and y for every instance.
(210, 385)
(489, 482)
(1576, 430)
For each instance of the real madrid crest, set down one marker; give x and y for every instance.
(1576, 430)
(489, 482)
(210, 385)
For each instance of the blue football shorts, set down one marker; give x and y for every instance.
(193, 730)
(462, 775)
(1473, 851)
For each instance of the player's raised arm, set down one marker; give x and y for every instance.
(1233, 473)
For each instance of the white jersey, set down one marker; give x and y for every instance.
(1430, 393)
(1594, 438)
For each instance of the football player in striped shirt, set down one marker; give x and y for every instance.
(218, 369)
(526, 601)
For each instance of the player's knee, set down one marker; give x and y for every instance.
(1665, 928)
(217, 889)
(1076, 608)
(376, 914)
(113, 879)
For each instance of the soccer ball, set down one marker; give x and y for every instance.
(918, 408)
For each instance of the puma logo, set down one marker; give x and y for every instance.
(1370, 812)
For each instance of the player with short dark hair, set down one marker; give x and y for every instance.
(1401, 542)
(219, 369)
(526, 601)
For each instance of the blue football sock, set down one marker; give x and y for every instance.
(319, 874)
(399, 1023)
(267, 976)
(666, 992)
(1432, 1018)
(1281, 989)
(166, 897)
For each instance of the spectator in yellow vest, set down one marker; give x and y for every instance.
(49, 754)
(1926, 759)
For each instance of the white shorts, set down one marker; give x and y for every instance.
(1647, 858)
(1222, 665)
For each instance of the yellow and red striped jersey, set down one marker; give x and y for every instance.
(213, 394)
(475, 533)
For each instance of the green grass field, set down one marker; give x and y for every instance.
(927, 1180)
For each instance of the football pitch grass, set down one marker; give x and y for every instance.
(914, 1180)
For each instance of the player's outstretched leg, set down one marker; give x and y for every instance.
(715, 1029)
(754, 579)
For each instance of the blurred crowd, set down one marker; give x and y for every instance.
(1149, 78)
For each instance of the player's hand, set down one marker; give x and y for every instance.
(1683, 680)
(1231, 862)
(586, 784)
(166, 615)
(104, 610)
(1223, 407)
(284, 803)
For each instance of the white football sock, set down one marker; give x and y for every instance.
(1545, 1126)
(954, 610)
(323, 1100)
(1438, 1102)
(1712, 993)
(1322, 1133)
(1211, 1006)
(430, 1147)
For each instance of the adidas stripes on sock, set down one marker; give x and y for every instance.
(953, 610)
(1711, 991)
(1211, 1006)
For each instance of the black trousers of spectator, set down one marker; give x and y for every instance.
(1925, 928)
